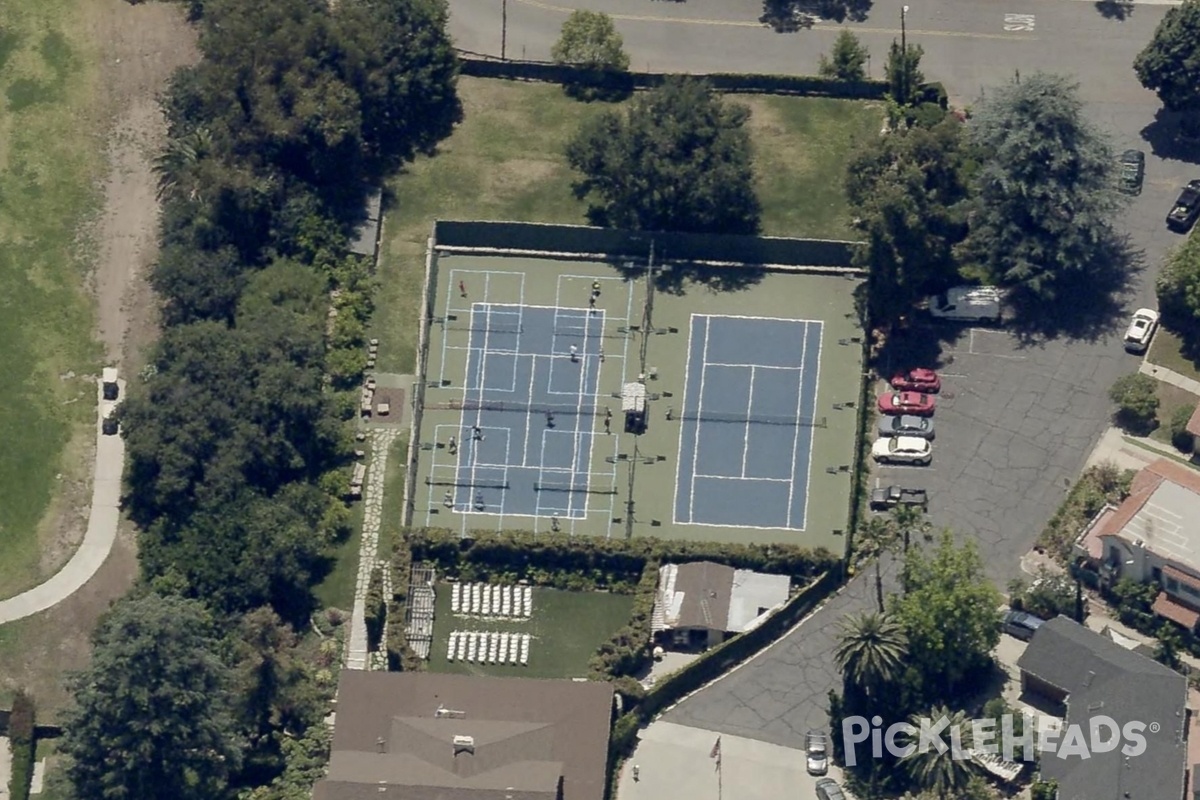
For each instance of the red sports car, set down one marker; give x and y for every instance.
(914, 403)
(917, 380)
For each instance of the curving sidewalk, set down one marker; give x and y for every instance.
(101, 529)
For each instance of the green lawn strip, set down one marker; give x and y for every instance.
(506, 162)
(1167, 351)
(1133, 440)
(50, 163)
(567, 628)
(1170, 399)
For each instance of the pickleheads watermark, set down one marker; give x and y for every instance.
(1003, 737)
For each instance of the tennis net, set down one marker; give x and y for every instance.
(494, 327)
(466, 484)
(589, 410)
(570, 487)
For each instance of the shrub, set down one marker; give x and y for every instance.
(1097, 487)
(1180, 437)
(23, 741)
(628, 650)
(376, 609)
(1137, 402)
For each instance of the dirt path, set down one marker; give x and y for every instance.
(140, 46)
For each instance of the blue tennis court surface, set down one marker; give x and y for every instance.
(745, 447)
(526, 437)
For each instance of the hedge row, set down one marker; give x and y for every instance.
(625, 82)
(23, 740)
(581, 563)
(400, 656)
(629, 648)
(376, 610)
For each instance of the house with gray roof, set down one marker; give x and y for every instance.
(421, 736)
(701, 603)
(1083, 675)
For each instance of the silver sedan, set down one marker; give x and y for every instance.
(906, 425)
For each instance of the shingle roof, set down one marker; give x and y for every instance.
(1102, 678)
(525, 735)
(706, 589)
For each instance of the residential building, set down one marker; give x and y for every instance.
(1154, 535)
(421, 736)
(700, 604)
(1082, 675)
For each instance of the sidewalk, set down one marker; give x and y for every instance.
(1170, 376)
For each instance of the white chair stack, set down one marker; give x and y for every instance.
(451, 645)
(497, 600)
(524, 649)
(506, 606)
(462, 645)
(472, 643)
(503, 648)
(528, 601)
(514, 650)
(455, 596)
(476, 589)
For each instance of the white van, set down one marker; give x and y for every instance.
(969, 304)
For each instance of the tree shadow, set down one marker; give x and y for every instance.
(1120, 10)
(1087, 307)
(917, 343)
(788, 16)
(1167, 138)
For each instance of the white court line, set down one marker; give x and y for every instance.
(746, 435)
(742, 478)
(529, 410)
(583, 371)
(755, 366)
(482, 379)
(796, 433)
(812, 433)
(687, 366)
(696, 436)
(745, 316)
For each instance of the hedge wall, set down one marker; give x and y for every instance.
(629, 648)
(400, 656)
(23, 740)
(581, 563)
(624, 82)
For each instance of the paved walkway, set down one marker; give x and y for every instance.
(381, 442)
(1170, 376)
(101, 530)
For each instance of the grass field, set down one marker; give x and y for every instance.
(1167, 351)
(1170, 399)
(567, 628)
(50, 159)
(505, 162)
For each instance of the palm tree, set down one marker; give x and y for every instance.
(907, 520)
(876, 537)
(871, 650)
(175, 166)
(939, 772)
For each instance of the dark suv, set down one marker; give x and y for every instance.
(1132, 171)
(1187, 208)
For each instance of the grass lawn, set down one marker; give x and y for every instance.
(1171, 398)
(505, 162)
(50, 162)
(567, 628)
(1167, 351)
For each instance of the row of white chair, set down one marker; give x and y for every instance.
(488, 648)
(491, 601)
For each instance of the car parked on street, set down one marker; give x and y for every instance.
(1132, 171)
(902, 450)
(918, 380)
(1186, 210)
(816, 749)
(886, 497)
(915, 403)
(1141, 330)
(906, 425)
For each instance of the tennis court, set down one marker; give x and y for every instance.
(748, 418)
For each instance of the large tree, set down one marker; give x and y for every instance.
(1170, 64)
(870, 652)
(589, 39)
(678, 159)
(908, 193)
(1046, 191)
(846, 60)
(1179, 293)
(152, 715)
(949, 614)
(943, 772)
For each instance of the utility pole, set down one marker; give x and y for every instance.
(504, 29)
(629, 498)
(904, 54)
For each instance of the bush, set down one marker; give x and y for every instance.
(1183, 441)
(1097, 487)
(400, 657)
(628, 650)
(376, 610)
(1136, 397)
(23, 741)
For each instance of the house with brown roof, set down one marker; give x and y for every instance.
(421, 736)
(1154, 535)
(701, 603)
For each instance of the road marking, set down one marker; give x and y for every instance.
(1018, 22)
(738, 23)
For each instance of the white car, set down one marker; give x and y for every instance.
(817, 753)
(1141, 330)
(902, 450)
